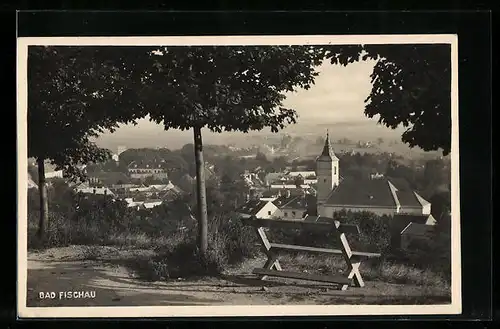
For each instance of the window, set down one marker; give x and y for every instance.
(293, 213)
(269, 212)
(324, 180)
(286, 214)
(335, 170)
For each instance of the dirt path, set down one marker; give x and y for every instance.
(63, 269)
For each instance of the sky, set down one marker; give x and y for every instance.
(335, 102)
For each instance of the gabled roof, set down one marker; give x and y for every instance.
(381, 192)
(252, 207)
(408, 199)
(366, 192)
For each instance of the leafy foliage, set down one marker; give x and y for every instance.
(228, 88)
(411, 87)
(74, 94)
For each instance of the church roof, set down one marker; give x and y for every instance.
(375, 192)
(366, 192)
(328, 150)
(408, 199)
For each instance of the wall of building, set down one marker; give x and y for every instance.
(327, 173)
(328, 210)
(267, 211)
(142, 175)
(290, 213)
(415, 210)
(54, 174)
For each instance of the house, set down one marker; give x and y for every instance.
(401, 228)
(51, 172)
(303, 174)
(258, 209)
(108, 178)
(149, 204)
(377, 194)
(143, 204)
(293, 189)
(268, 196)
(251, 179)
(82, 188)
(294, 206)
(143, 169)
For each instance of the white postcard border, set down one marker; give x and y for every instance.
(231, 311)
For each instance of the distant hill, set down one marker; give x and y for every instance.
(151, 135)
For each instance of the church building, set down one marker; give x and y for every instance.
(377, 194)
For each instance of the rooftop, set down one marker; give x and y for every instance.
(148, 164)
(407, 199)
(295, 201)
(375, 192)
(252, 207)
(109, 178)
(369, 192)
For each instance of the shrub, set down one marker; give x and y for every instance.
(182, 261)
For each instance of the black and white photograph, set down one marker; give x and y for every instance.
(238, 175)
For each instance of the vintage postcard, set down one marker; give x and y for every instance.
(238, 176)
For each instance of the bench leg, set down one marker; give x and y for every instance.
(272, 258)
(272, 261)
(354, 274)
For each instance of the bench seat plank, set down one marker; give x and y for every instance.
(304, 276)
(290, 247)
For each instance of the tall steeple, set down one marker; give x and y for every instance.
(327, 149)
(327, 172)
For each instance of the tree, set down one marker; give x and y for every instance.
(74, 94)
(226, 89)
(441, 204)
(434, 174)
(411, 86)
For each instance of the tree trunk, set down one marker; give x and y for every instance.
(201, 193)
(44, 203)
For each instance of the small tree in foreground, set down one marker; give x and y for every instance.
(226, 89)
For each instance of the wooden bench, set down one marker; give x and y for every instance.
(272, 267)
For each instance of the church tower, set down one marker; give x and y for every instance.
(327, 172)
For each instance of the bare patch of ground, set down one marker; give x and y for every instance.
(103, 270)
